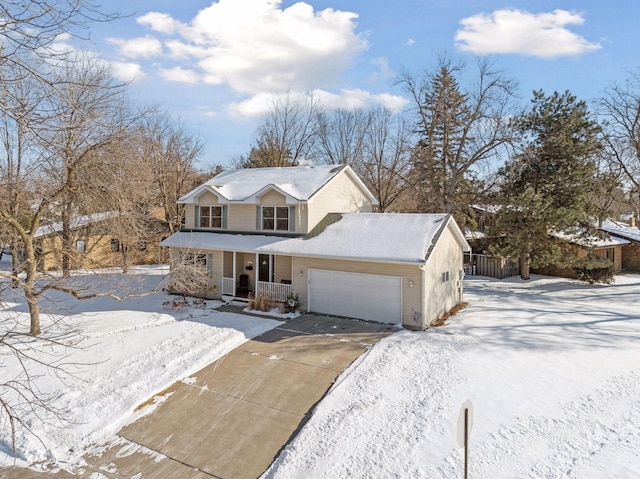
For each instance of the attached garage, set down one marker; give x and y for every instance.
(364, 296)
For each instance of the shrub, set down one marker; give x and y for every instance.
(594, 270)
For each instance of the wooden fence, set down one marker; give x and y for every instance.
(483, 265)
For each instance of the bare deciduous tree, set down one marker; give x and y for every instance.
(620, 107)
(341, 136)
(385, 163)
(165, 155)
(287, 134)
(458, 130)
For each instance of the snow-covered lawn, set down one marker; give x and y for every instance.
(551, 366)
(116, 355)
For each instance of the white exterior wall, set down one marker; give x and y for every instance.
(440, 297)
(340, 195)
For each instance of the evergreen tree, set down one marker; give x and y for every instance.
(546, 187)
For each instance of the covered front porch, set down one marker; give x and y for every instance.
(258, 274)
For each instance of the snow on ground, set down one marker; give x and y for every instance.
(551, 366)
(115, 355)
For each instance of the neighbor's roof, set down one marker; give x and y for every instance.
(589, 241)
(373, 236)
(622, 230)
(79, 222)
(220, 241)
(298, 182)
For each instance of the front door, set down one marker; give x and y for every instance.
(266, 270)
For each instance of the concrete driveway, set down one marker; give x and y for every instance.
(238, 414)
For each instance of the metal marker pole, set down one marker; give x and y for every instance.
(466, 443)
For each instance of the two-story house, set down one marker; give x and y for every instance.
(311, 231)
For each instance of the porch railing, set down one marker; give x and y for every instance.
(276, 291)
(227, 286)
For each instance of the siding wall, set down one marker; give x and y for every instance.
(340, 195)
(631, 256)
(447, 255)
(411, 300)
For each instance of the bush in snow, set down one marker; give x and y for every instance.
(594, 270)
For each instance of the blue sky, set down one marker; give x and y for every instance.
(218, 64)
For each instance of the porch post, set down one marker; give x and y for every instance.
(234, 274)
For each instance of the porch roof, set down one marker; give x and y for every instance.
(220, 241)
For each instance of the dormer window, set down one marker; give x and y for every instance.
(210, 217)
(275, 218)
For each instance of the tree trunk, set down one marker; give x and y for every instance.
(34, 311)
(524, 265)
(29, 288)
(15, 262)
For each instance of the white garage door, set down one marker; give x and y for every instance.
(364, 296)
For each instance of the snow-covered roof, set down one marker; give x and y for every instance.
(299, 183)
(226, 241)
(401, 237)
(373, 236)
(77, 222)
(470, 234)
(590, 241)
(621, 230)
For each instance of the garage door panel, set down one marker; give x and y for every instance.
(364, 296)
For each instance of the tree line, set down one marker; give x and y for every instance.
(555, 165)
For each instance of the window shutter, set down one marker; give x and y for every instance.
(292, 218)
(224, 217)
(258, 218)
(197, 217)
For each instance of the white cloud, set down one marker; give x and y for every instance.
(141, 47)
(160, 22)
(252, 107)
(515, 31)
(126, 72)
(255, 46)
(409, 43)
(180, 75)
(348, 99)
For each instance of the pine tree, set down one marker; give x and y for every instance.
(546, 187)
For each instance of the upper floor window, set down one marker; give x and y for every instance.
(210, 217)
(275, 218)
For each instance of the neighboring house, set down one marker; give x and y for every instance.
(97, 243)
(582, 246)
(311, 231)
(630, 255)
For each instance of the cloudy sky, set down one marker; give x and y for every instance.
(218, 63)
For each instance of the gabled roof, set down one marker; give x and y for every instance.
(78, 222)
(298, 183)
(374, 236)
(621, 230)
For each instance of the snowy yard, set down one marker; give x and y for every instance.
(551, 366)
(116, 356)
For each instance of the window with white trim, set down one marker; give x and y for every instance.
(275, 218)
(81, 246)
(210, 217)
